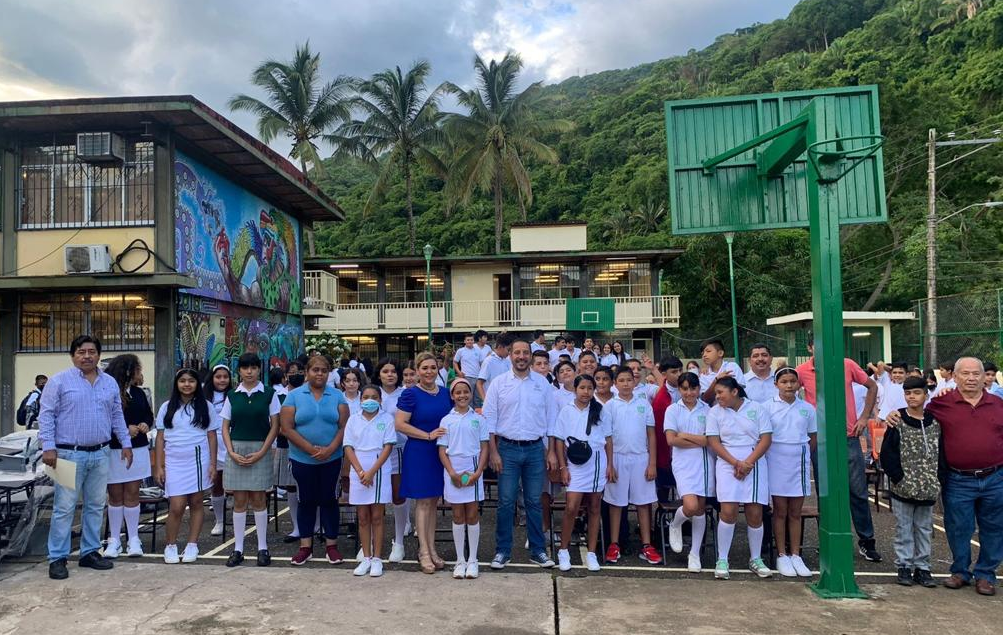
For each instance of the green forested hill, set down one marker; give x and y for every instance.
(938, 63)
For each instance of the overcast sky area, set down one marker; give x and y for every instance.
(60, 48)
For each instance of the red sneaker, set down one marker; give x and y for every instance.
(301, 556)
(650, 555)
(613, 553)
(333, 555)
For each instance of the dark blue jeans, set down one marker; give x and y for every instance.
(318, 490)
(967, 500)
(525, 463)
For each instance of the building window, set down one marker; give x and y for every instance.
(408, 285)
(619, 279)
(122, 321)
(549, 281)
(58, 190)
(356, 286)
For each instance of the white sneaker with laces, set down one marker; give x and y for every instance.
(473, 570)
(191, 553)
(375, 568)
(396, 553)
(676, 538)
(800, 567)
(460, 571)
(721, 570)
(363, 568)
(592, 562)
(693, 563)
(112, 549)
(171, 554)
(564, 560)
(217, 529)
(785, 567)
(135, 548)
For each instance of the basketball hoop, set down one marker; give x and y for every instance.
(855, 155)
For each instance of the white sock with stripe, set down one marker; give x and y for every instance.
(218, 508)
(261, 528)
(679, 518)
(699, 525)
(132, 521)
(725, 534)
(459, 540)
(115, 516)
(293, 498)
(239, 527)
(755, 542)
(474, 538)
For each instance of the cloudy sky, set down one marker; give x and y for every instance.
(66, 48)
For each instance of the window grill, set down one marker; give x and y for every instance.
(122, 321)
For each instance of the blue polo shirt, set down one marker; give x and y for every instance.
(317, 421)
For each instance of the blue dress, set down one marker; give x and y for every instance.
(421, 470)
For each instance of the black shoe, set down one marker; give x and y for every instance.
(235, 559)
(923, 578)
(93, 560)
(905, 576)
(289, 539)
(264, 558)
(57, 569)
(868, 551)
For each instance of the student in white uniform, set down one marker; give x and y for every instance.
(216, 386)
(564, 393)
(738, 432)
(621, 354)
(715, 368)
(693, 465)
(587, 363)
(481, 344)
(369, 440)
(539, 342)
(604, 385)
(467, 360)
(584, 454)
(894, 396)
(186, 450)
(759, 383)
(541, 365)
(634, 457)
(643, 388)
(352, 381)
(571, 349)
(560, 345)
(463, 451)
(496, 364)
(388, 377)
(788, 460)
(608, 358)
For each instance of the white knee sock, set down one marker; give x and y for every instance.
(115, 515)
(679, 518)
(755, 542)
(400, 521)
(261, 528)
(699, 524)
(132, 521)
(725, 534)
(459, 540)
(293, 498)
(218, 508)
(473, 537)
(239, 527)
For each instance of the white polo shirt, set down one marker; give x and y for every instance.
(520, 409)
(273, 408)
(760, 390)
(555, 355)
(739, 427)
(533, 347)
(609, 360)
(364, 435)
(708, 376)
(572, 421)
(483, 351)
(492, 368)
(646, 390)
(892, 400)
(182, 433)
(679, 418)
(464, 433)
(470, 361)
(792, 422)
(629, 422)
(563, 397)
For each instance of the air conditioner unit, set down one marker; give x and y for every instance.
(87, 259)
(100, 147)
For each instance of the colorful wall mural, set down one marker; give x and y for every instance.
(238, 247)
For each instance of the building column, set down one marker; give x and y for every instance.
(163, 201)
(8, 345)
(583, 279)
(165, 329)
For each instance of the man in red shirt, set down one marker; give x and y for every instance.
(860, 509)
(670, 367)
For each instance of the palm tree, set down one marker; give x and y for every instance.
(400, 129)
(649, 216)
(298, 107)
(501, 128)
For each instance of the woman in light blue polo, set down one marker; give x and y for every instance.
(313, 419)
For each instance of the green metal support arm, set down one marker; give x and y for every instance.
(801, 121)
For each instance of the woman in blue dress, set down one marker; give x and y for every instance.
(420, 409)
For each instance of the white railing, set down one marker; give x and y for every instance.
(320, 292)
(634, 312)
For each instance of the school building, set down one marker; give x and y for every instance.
(153, 223)
(549, 281)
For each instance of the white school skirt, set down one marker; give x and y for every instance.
(790, 469)
(693, 469)
(186, 468)
(380, 491)
(590, 476)
(631, 486)
(397, 457)
(220, 451)
(754, 488)
(140, 469)
(470, 493)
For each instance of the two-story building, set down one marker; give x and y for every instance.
(153, 223)
(549, 281)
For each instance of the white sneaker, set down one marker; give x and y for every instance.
(363, 567)
(171, 554)
(786, 567)
(460, 571)
(693, 564)
(721, 570)
(375, 568)
(191, 553)
(800, 567)
(592, 562)
(112, 549)
(217, 529)
(564, 560)
(676, 538)
(135, 548)
(759, 567)
(396, 553)
(472, 570)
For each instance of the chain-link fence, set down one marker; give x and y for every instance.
(967, 324)
(789, 344)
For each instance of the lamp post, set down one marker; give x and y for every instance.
(730, 238)
(427, 250)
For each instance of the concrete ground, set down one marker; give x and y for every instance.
(151, 597)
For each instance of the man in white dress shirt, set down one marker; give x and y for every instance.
(759, 384)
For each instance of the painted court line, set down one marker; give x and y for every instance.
(246, 533)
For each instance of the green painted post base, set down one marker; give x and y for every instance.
(836, 581)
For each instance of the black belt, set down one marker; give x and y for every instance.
(82, 448)
(984, 472)
(517, 442)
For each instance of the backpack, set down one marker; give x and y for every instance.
(27, 413)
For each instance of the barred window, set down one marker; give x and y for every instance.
(549, 281)
(58, 190)
(122, 321)
(619, 279)
(408, 285)
(356, 286)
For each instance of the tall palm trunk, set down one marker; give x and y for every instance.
(410, 208)
(522, 206)
(499, 209)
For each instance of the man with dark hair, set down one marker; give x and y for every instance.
(759, 384)
(539, 342)
(27, 411)
(81, 408)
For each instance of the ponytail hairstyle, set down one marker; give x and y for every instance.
(198, 405)
(122, 369)
(595, 408)
(732, 384)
